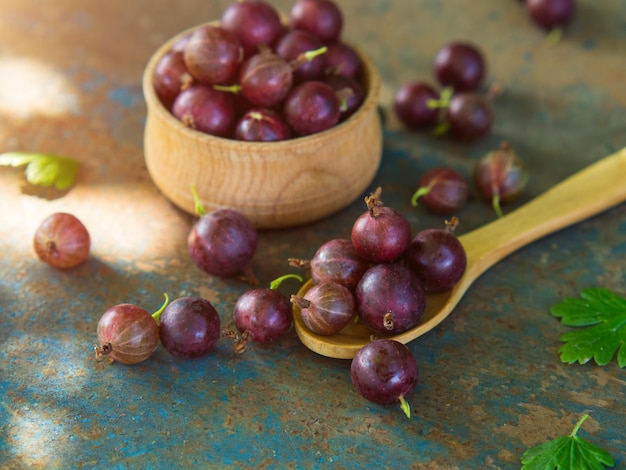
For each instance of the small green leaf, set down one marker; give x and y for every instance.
(604, 313)
(567, 452)
(44, 169)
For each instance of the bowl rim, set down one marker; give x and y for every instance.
(371, 79)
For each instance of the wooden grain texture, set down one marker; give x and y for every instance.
(275, 184)
(592, 190)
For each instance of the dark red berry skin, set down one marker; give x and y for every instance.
(213, 54)
(342, 59)
(460, 65)
(331, 308)
(438, 258)
(181, 43)
(170, 76)
(384, 370)
(265, 79)
(262, 125)
(132, 333)
(500, 173)
(323, 18)
(448, 191)
(189, 327)
(550, 14)
(312, 107)
(411, 105)
(381, 238)
(222, 242)
(393, 291)
(295, 43)
(266, 313)
(254, 22)
(337, 261)
(205, 109)
(350, 93)
(469, 116)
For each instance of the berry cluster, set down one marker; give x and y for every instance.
(221, 243)
(250, 77)
(189, 328)
(459, 108)
(499, 176)
(381, 275)
(460, 68)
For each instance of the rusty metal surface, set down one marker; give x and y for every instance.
(491, 382)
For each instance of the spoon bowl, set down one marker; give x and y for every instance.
(592, 190)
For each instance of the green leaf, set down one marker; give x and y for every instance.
(567, 452)
(604, 312)
(44, 169)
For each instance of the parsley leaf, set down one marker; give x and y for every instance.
(44, 169)
(605, 313)
(567, 452)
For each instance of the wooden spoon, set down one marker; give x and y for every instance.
(592, 190)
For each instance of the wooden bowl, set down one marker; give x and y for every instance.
(275, 184)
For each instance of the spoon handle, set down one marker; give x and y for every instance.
(590, 191)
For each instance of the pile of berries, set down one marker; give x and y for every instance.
(458, 108)
(499, 176)
(250, 77)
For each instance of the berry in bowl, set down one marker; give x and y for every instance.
(277, 122)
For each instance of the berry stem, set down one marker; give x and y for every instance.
(423, 191)
(441, 129)
(157, 315)
(554, 36)
(300, 302)
(373, 202)
(578, 425)
(229, 333)
(103, 351)
(405, 407)
(308, 56)
(198, 207)
(186, 80)
(344, 94)
(299, 263)
(242, 343)
(388, 321)
(228, 88)
(444, 99)
(495, 202)
(452, 224)
(275, 284)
